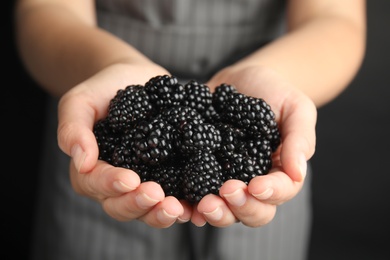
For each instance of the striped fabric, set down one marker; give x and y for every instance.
(192, 38)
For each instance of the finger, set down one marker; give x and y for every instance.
(274, 188)
(164, 214)
(215, 211)
(104, 181)
(247, 209)
(188, 210)
(134, 204)
(298, 133)
(75, 136)
(197, 217)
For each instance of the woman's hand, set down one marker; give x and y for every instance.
(119, 190)
(255, 204)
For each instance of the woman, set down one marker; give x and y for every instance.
(296, 55)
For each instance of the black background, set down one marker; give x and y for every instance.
(351, 174)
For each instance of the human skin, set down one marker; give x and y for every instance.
(71, 58)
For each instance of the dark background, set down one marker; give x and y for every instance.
(351, 170)
(351, 174)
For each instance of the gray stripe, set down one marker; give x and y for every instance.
(194, 38)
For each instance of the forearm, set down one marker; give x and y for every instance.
(61, 48)
(319, 56)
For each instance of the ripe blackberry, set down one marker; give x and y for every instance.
(123, 156)
(178, 116)
(260, 150)
(106, 139)
(233, 140)
(198, 137)
(169, 177)
(240, 167)
(202, 175)
(275, 139)
(143, 171)
(127, 107)
(197, 96)
(210, 115)
(250, 113)
(164, 91)
(243, 156)
(152, 141)
(221, 94)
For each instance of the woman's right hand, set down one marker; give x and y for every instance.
(118, 190)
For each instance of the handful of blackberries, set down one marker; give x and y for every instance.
(186, 138)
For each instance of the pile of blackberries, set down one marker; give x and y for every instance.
(186, 138)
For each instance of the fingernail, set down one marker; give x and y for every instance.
(265, 195)
(201, 224)
(144, 201)
(214, 215)
(164, 217)
(303, 166)
(78, 156)
(121, 187)
(182, 220)
(237, 198)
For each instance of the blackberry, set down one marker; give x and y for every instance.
(233, 140)
(123, 156)
(202, 175)
(169, 177)
(197, 96)
(210, 115)
(127, 107)
(106, 139)
(259, 147)
(178, 116)
(152, 141)
(198, 137)
(249, 113)
(240, 167)
(164, 91)
(143, 171)
(221, 94)
(275, 139)
(261, 152)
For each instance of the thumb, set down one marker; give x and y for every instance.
(299, 139)
(75, 132)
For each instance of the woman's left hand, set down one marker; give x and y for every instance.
(255, 204)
